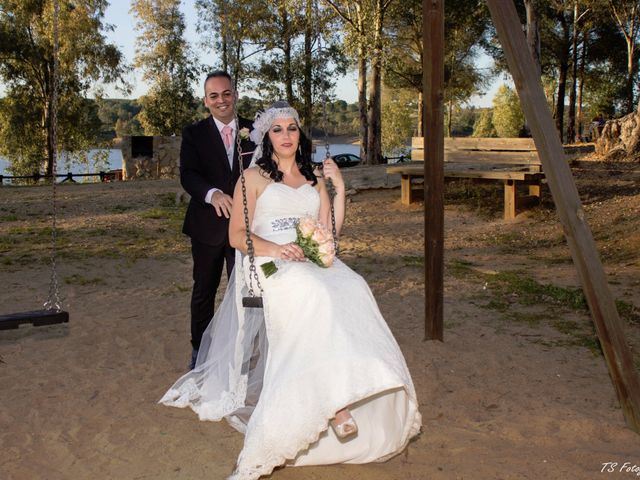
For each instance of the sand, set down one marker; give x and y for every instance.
(517, 390)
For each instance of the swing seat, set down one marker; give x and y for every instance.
(35, 317)
(252, 302)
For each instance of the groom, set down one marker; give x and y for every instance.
(208, 172)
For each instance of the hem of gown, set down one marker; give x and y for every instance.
(267, 466)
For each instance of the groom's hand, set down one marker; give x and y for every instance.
(222, 203)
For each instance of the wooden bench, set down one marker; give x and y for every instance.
(513, 161)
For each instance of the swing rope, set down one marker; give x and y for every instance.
(52, 312)
(254, 300)
(53, 301)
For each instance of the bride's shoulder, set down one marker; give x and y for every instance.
(253, 174)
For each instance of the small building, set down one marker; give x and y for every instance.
(146, 157)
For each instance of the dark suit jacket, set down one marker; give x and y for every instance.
(203, 166)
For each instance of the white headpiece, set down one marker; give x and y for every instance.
(263, 122)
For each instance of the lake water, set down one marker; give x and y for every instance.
(114, 160)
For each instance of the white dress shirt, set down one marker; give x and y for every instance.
(230, 151)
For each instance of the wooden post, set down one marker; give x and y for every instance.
(433, 94)
(405, 190)
(579, 237)
(510, 199)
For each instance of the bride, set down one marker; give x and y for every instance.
(315, 377)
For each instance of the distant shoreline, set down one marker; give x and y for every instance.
(338, 139)
(333, 140)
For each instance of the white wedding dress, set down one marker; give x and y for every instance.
(320, 346)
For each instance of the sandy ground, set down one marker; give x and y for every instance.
(518, 389)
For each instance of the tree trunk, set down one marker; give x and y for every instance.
(374, 144)
(225, 54)
(580, 116)
(562, 78)
(420, 119)
(47, 121)
(286, 48)
(362, 100)
(630, 75)
(307, 112)
(449, 115)
(571, 126)
(533, 32)
(620, 137)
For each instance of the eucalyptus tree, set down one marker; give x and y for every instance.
(168, 65)
(232, 31)
(26, 70)
(365, 23)
(466, 27)
(626, 14)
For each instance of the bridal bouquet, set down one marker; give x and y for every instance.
(316, 243)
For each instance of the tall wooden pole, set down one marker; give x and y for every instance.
(433, 122)
(565, 195)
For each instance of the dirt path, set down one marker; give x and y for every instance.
(518, 390)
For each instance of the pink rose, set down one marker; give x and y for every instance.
(326, 260)
(307, 225)
(321, 235)
(326, 248)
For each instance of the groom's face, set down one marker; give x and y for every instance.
(220, 98)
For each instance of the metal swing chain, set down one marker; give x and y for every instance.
(53, 302)
(253, 272)
(325, 122)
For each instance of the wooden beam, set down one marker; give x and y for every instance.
(510, 200)
(433, 114)
(579, 237)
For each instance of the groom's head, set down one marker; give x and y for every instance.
(219, 95)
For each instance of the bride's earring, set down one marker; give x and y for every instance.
(343, 424)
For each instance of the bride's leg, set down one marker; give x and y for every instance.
(343, 424)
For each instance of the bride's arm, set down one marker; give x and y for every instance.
(237, 230)
(331, 171)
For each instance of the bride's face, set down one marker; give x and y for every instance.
(285, 137)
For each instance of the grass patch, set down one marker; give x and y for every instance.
(460, 268)
(9, 218)
(120, 208)
(413, 260)
(628, 312)
(77, 279)
(531, 292)
(166, 199)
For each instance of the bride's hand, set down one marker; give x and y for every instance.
(330, 170)
(291, 252)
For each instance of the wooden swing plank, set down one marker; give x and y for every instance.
(605, 316)
(36, 317)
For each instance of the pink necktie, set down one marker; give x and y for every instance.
(227, 131)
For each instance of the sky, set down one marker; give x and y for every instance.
(124, 35)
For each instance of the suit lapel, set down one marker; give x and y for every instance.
(220, 152)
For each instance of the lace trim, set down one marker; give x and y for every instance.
(188, 395)
(272, 461)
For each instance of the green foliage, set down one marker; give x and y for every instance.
(118, 117)
(168, 65)
(168, 107)
(483, 126)
(26, 64)
(508, 118)
(463, 121)
(398, 120)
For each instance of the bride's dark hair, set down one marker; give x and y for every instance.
(303, 159)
